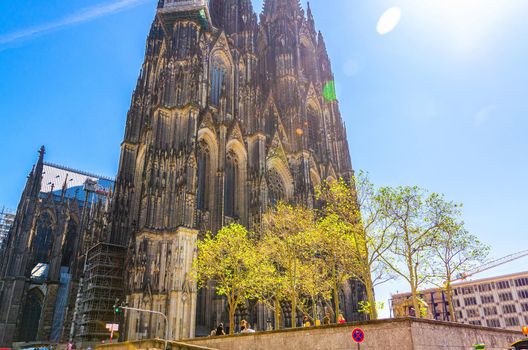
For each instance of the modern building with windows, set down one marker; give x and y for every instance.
(499, 302)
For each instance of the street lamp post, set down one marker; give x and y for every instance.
(156, 313)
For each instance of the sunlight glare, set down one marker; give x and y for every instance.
(463, 25)
(389, 20)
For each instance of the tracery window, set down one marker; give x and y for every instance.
(231, 186)
(219, 80)
(276, 192)
(314, 129)
(308, 61)
(204, 164)
(31, 315)
(69, 244)
(42, 242)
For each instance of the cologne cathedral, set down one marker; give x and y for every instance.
(231, 114)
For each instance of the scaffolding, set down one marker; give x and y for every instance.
(7, 218)
(102, 285)
(171, 11)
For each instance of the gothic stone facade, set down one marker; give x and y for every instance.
(41, 261)
(227, 118)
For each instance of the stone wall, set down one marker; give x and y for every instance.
(151, 344)
(400, 334)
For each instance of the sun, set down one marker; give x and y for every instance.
(389, 20)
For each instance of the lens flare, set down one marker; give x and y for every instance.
(329, 92)
(389, 20)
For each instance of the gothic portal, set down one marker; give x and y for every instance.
(230, 115)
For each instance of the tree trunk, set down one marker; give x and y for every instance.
(294, 312)
(232, 310)
(449, 292)
(371, 298)
(416, 304)
(336, 302)
(314, 311)
(277, 314)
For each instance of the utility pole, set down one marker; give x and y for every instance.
(155, 313)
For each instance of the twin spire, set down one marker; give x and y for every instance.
(277, 7)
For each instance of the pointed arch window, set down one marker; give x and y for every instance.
(276, 192)
(231, 186)
(31, 315)
(43, 239)
(69, 244)
(314, 129)
(203, 190)
(219, 80)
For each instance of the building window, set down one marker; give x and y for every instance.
(509, 309)
(506, 296)
(521, 282)
(459, 315)
(31, 316)
(524, 307)
(523, 294)
(276, 191)
(503, 284)
(230, 196)
(487, 299)
(69, 245)
(219, 81)
(490, 311)
(512, 321)
(203, 178)
(473, 313)
(526, 320)
(41, 244)
(314, 130)
(495, 323)
(475, 323)
(467, 290)
(470, 301)
(486, 287)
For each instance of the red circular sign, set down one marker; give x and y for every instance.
(358, 335)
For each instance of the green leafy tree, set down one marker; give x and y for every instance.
(355, 208)
(417, 219)
(270, 282)
(456, 251)
(286, 231)
(229, 261)
(316, 283)
(339, 256)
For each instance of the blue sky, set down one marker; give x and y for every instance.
(439, 102)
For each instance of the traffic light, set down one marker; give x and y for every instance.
(117, 308)
(525, 330)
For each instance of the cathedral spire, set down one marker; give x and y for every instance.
(310, 21)
(37, 173)
(233, 16)
(276, 8)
